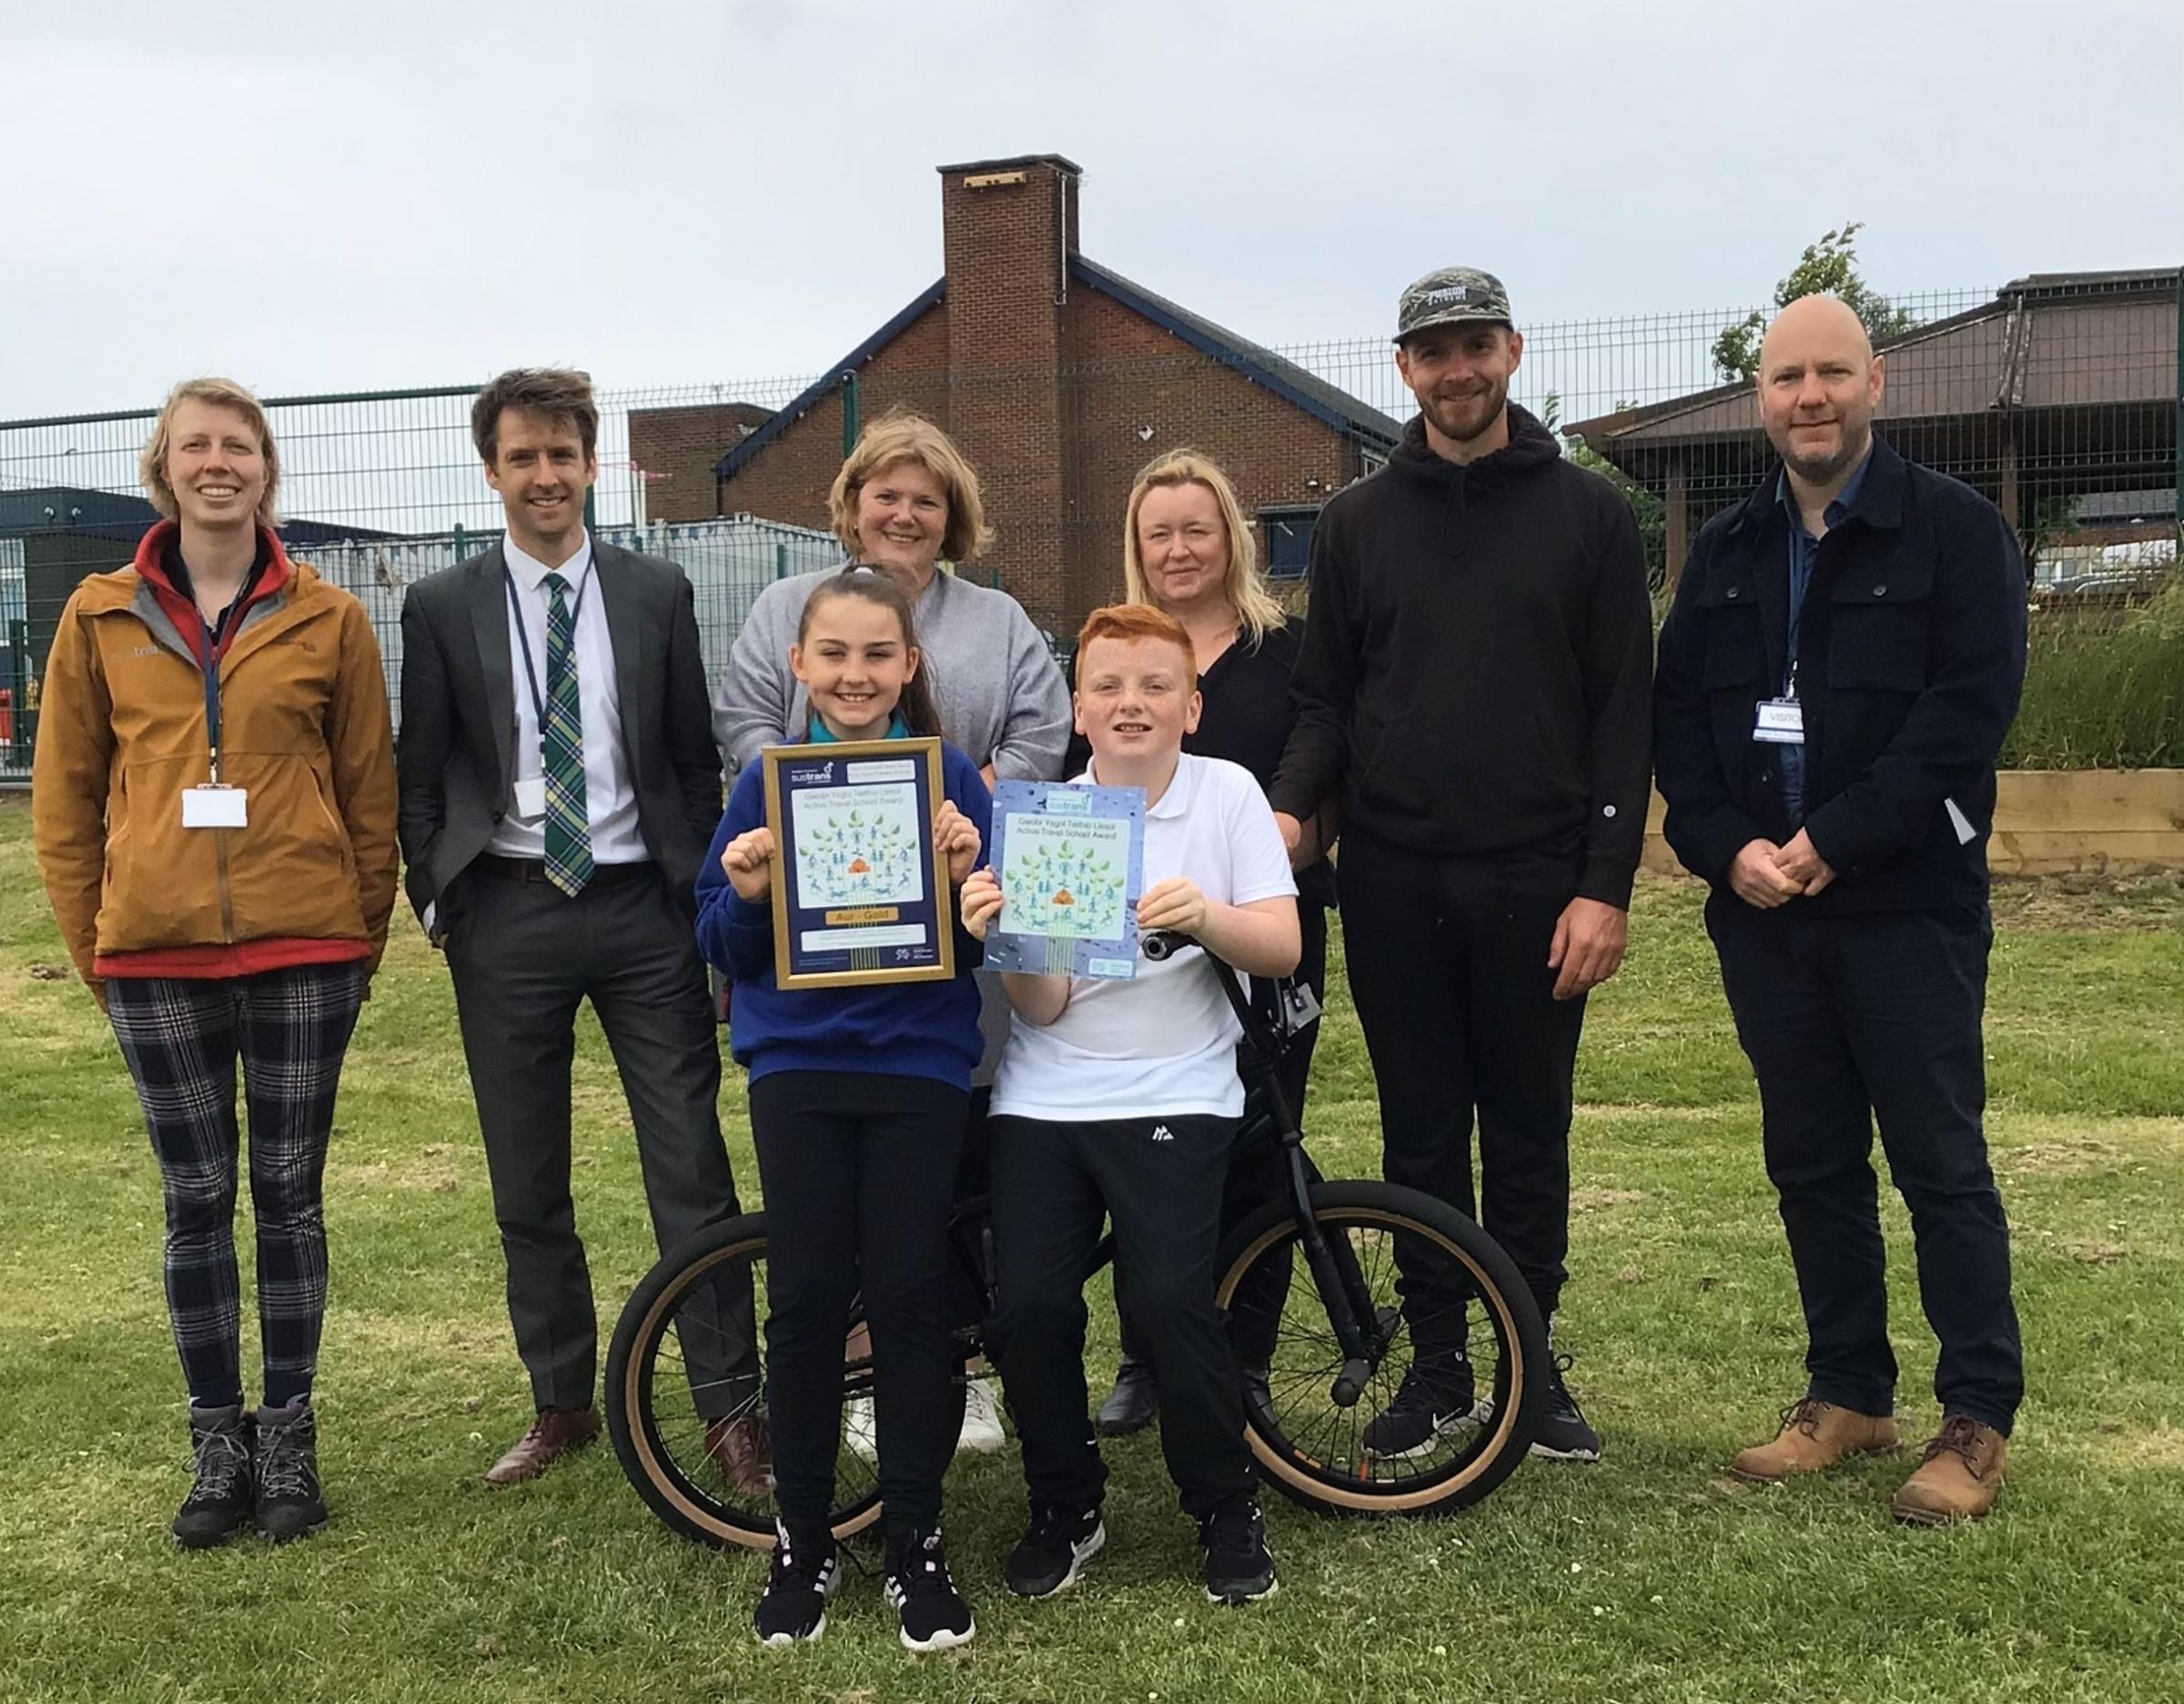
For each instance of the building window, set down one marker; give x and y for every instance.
(1288, 538)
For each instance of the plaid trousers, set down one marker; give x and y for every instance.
(181, 1040)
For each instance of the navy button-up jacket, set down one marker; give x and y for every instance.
(1911, 656)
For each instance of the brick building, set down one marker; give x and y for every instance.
(1059, 379)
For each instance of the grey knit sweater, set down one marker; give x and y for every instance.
(1001, 696)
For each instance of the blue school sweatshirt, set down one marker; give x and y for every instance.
(896, 1029)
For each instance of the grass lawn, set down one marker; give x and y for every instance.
(1649, 1578)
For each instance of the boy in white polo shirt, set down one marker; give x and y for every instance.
(1119, 1099)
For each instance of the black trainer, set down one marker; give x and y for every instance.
(803, 1576)
(1240, 1568)
(1132, 1403)
(932, 1612)
(290, 1502)
(222, 1478)
(1053, 1553)
(1435, 1397)
(1563, 1435)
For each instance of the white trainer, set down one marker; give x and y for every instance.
(982, 1434)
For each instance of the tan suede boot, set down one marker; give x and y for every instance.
(1960, 1477)
(1815, 1436)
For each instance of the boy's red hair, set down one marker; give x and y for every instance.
(1137, 620)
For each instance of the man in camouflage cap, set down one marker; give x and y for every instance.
(1473, 696)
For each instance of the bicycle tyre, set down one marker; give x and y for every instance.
(661, 1447)
(1312, 1454)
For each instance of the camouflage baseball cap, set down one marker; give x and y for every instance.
(1452, 297)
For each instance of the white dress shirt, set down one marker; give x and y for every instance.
(609, 799)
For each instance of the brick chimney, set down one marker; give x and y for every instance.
(1008, 228)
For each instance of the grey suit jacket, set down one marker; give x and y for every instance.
(455, 756)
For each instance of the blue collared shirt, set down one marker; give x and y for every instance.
(1804, 547)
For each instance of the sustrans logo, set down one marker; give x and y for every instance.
(813, 774)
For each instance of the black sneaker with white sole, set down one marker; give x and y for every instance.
(1434, 1398)
(1239, 1568)
(932, 1612)
(803, 1576)
(1054, 1551)
(1564, 1434)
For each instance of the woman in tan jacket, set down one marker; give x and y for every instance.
(214, 805)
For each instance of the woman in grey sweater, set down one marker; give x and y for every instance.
(904, 499)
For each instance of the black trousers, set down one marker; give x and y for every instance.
(525, 957)
(858, 1172)
(1448, 965)
(1846, 1018)
(1160, 1182)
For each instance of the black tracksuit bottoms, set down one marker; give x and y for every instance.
(1448, 965)
(1159, 1181)
(1846, 1020)
(859, 1171)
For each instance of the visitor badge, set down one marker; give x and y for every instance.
(1781, 722)
(214, 806)
(530, 796)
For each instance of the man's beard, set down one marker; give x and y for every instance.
(1481, 414)
(1820, 471)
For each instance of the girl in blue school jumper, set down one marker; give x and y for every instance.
(858, 1102)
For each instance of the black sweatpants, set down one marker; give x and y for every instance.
(1845, 1018)
(1160, 1182)
(858, 1171)
(1448, 965)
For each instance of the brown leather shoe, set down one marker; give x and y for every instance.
(552, 1433)
(1960, 1477)
(743, 1452)
(1815, 1436)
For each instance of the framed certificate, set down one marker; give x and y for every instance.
(1071, 864)
(858, 893)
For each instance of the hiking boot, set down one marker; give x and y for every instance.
(982, 1434)
(803, 1576)
(932, 1612)
(1563, 1435)
(1132, 1403)
(1053, 1553)
(222, 1478)
(290, 1504)
(1239, 1566)
(1960, 1477)
(1815, 1436)
(1434, 1399)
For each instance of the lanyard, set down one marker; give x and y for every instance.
(214, 636)
(531, 672)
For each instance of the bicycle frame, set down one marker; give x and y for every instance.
(1334, 1268)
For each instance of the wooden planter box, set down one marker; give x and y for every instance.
(2050, 821)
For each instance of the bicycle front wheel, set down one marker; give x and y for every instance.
(1433, 1299)
(677, 1370)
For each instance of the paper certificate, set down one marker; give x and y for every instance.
(858, 894)
(1071, 865)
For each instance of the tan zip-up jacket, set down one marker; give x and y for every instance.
(121, 735)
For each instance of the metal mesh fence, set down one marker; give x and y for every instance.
(2056, 397)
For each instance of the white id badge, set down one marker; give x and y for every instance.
(531, 797)
(1781, 722)
(215, 807)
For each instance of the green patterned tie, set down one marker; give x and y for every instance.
(562, 751)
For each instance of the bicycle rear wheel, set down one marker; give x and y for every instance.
(659, 1411)
(1309, 1430)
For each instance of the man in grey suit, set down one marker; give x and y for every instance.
(558, 787)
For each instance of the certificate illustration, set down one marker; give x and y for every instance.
(858, 895)
(1071, 865)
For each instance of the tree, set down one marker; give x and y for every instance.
(1827, 267)
(1646, 509)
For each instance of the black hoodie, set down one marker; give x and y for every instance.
(1476, 671)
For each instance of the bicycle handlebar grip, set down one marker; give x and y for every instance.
(1161, 943)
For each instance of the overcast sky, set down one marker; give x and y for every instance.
(316, 198)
